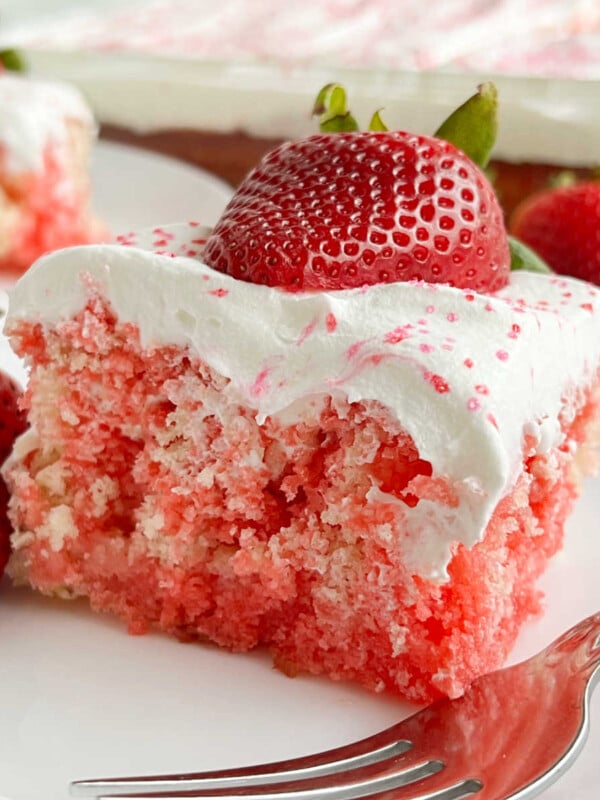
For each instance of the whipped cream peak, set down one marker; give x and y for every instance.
(467, 375)
(34, 113)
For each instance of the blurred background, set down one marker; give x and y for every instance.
(217, 84)
(188, 94)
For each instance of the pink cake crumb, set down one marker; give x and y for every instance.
(209, 524)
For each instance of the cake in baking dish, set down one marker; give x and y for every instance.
(368, 481)
(231, 84)
(46, 131)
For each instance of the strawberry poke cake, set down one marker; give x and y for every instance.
(46, 132)
(338, 425)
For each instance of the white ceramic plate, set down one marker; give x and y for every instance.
(80, 698)
(135, 189)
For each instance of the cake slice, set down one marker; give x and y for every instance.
(46, 132)
(367, 481)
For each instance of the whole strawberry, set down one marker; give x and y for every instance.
(562, 225)
(12, 424)
(341, 210)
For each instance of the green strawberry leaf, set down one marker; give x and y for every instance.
(12, 60)
(330, 100)
(376, 123)
(474, 125)
(523, 258)
(338, 124)
(332, 110)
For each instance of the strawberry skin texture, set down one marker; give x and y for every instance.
(12, 424)
(342, 210)
(563, 227)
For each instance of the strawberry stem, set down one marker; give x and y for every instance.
(473, 126)
(12, 60)
(332, 110)
(523, 258)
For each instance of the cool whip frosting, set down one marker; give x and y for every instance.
(34, 113)
(465, 374)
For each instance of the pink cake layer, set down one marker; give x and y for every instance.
(149, 491)
(46, 209)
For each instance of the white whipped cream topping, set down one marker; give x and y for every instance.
(466, 375)
(34, 113)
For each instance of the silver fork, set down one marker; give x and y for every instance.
(511, 735)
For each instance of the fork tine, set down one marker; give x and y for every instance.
(365, 752)
(516, 729)
(392, 786)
